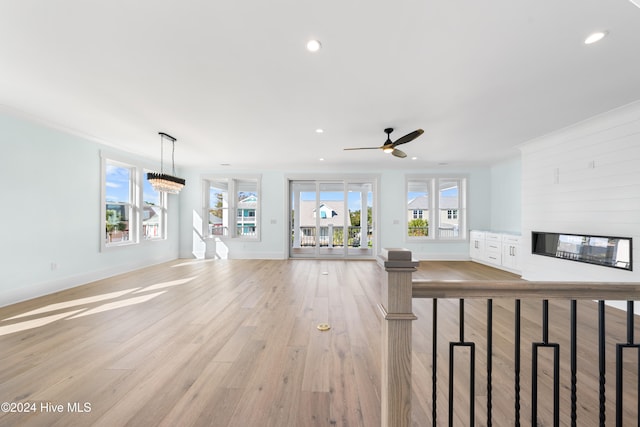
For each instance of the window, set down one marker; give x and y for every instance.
(154, 211)
(132, 211)
(436, 207)
(418, 208)
(119, 200)
(233, 207)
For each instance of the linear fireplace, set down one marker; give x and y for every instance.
(607, 251)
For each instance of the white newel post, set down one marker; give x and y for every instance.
(396, 336)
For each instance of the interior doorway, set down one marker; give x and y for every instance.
(332, 218)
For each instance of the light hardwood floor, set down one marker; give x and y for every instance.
(235, 343)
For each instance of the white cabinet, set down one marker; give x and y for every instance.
(496, 249)
(511, 251)
(493, 248)
(476, 244)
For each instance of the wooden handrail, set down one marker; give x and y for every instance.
(519, 289)
(398, 289)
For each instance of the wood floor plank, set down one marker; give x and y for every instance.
(318, 362)
(195, 401)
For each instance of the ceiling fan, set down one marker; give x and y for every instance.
(390, 147)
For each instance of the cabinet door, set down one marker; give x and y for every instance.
(476, 244)
(511, 252)
(476, 249)
(508, 255)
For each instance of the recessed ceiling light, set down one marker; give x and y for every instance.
(321, 159)
(313, 45)
(414, 158)
(319, 130)
(595, 37)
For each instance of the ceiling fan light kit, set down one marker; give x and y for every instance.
(390, 146)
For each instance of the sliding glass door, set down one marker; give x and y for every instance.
(331, 219)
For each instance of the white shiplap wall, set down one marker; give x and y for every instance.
(584, 179)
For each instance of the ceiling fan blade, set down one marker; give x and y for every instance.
(363, 148)
(408, 137)
(399, 153)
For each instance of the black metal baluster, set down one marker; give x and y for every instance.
(574, 363)
(461, 317)
(517, 363)
(452, 346)
(450, 384)
(630, 327)
(619, 359)
(434, 358)
(489, 358)
(556, 370)
(601, 360)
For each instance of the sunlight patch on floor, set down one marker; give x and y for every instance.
(74, 303)
(35, 323)
(118, 304)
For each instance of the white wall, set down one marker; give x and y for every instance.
(584, 180)
(274, 220)
(506, 196)
(50, 213)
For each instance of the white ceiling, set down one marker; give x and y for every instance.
(232, 81)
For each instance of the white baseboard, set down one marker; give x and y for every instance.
(14, 296)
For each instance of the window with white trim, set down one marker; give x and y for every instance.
(232, 206)
(132, 211)
(154, 211)
(436, 207)
(119, 203)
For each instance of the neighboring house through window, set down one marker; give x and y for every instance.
(330, 227)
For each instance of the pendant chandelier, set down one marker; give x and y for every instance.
(162, 181)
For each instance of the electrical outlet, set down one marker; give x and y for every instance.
(54, 266)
